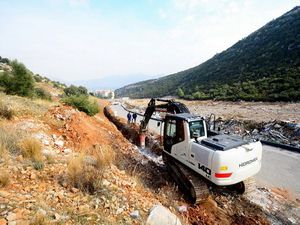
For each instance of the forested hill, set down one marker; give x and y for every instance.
(263, 66)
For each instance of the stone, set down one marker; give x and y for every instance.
(277, 126)
(57, 216)
(255, 131)
(67, 151)
(119, 210)
(46, 142)
(4, 194)
(53, 136)
(182, 209)
(59, 143)
(135, 214)
(161, 215)
(12, 223)
(42, 212)
(105, 183)
(74, 190)
(32, 176)
(2, 221)
(11, 216)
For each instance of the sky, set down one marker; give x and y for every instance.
(123, 41)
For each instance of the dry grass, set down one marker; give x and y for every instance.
(53, 122)
(82, 175)
(39, 219)
(105, 156)
(4, 178)
(31, 148)
(9, 139)
(6, 111)
(3, 151)
(22, 106)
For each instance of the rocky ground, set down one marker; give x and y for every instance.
(276, 122)
(257, 111)
(122, 192)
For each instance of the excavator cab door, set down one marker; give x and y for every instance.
(173, 132)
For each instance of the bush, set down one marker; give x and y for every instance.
(6, 112)
(37, 78)
(82, 103)
(43, 94)
(74, 90)
(19, 81)
(38, 165)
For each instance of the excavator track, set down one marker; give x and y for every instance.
(195, 186)
(247, 186)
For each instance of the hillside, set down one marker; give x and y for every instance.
(263, 66)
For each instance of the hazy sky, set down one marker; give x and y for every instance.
(72, 40)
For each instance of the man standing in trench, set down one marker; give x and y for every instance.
(134, 116)
(128, 117)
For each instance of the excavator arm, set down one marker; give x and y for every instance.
(169, 106)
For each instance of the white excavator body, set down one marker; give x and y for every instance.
(222, 159)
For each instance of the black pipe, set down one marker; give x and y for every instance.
(283, 146)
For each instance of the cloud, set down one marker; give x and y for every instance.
(77, 3)
(68, 43)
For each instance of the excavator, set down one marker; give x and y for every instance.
(196, 155)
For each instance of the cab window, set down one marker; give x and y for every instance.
(171, 128)
(197, 127)
(175, 131)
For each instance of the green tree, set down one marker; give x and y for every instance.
(74, 90)
(180, 93)
(19, 81)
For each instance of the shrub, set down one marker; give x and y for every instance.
(19, 81)
(37, 78)
(4, 178)
(6, 112)
(31, 148)
(38, 165)
(43, 94)
(82, 103)
(74, 90)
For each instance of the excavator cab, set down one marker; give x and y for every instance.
(180, 128)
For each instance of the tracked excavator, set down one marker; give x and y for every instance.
(197, 156)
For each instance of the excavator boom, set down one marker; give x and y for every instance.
(169, 106)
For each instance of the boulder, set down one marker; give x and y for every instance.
(161, 215)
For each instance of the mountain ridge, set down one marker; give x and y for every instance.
(251, 68)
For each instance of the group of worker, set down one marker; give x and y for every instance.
(131, 118)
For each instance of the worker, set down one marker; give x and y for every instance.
(128, 117)
(134, 116)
